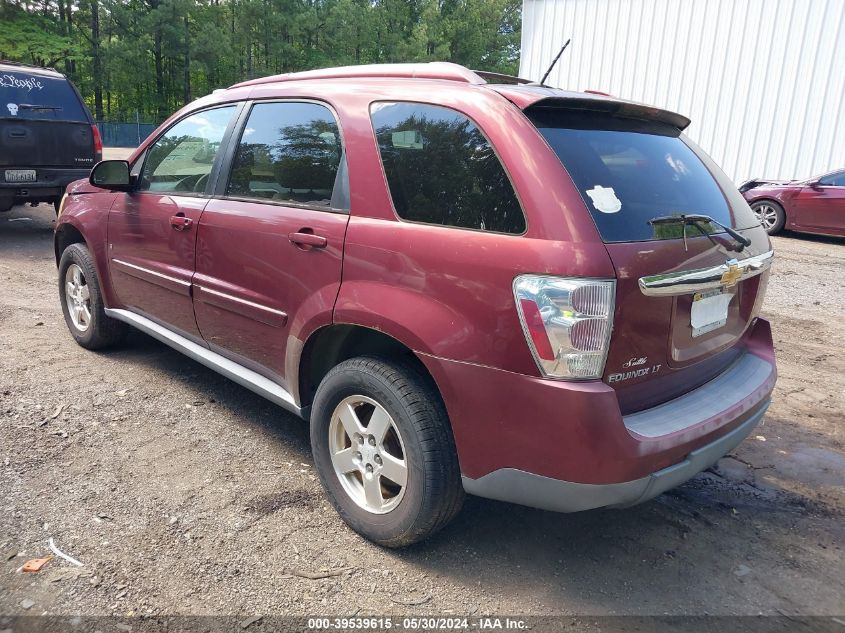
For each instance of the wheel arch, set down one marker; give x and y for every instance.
(66, 234)
(772, 200)
(332, 344)
(91, 233)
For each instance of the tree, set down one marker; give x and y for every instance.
(153, 56)
(96, 60)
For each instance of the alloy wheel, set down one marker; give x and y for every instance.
(368, 454)
(767, 215)
(77, 297)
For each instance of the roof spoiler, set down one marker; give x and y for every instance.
(626, 109)
(502, 78)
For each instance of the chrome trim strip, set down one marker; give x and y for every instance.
(232, 370)
(283, 316)
(690, 281)
(134, 270)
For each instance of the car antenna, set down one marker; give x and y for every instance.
(554, 61)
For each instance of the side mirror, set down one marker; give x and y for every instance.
(816, 184)
(111, 174)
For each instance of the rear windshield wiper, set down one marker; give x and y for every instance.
(696, 220)
(33, 106)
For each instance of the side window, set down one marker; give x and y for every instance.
(441, 169)
(180, 161)
(834, 180)
(288, 152)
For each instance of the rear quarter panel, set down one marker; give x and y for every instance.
(782, 195)
(447, 291)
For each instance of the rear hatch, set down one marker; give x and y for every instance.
(43, 122)
(682, 330)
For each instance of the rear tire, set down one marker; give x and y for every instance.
(82, 301)
(375, 422)
(770, 214)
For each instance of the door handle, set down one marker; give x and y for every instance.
(180, 222)
(308, 239)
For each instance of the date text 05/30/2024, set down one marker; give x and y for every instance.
(413, 624)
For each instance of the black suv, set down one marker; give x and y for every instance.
(47, 135)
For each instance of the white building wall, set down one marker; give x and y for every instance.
(762, 80)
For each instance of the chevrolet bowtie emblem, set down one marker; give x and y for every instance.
(731, 275)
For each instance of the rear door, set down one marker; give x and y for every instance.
(43, 122)
(270, 247)
(153, 230)
(674, 335)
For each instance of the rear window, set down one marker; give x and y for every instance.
(28, 96)
(630, 171)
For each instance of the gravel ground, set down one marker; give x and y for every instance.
(183, 493)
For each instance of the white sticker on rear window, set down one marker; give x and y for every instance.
(13, 108)
(10, 81)
(604, 199)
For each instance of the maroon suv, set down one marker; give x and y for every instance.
(527, 294)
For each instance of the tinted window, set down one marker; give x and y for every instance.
(181, 159)
(442, 170)
(288, 152)
(629, 171)
(29, 96)
(834, 180)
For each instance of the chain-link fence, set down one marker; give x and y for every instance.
(117, 134)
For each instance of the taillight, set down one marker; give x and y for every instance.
(567, 323)
(98, 140)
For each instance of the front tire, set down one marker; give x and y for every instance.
(770, 214)
(82, 301)
(384, 450)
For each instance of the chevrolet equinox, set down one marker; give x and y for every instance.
(463, 282)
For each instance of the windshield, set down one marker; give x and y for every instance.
(29, 96)
(630, 171)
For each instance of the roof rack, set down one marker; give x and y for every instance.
(445, 71)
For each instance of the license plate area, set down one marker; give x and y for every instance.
(20, 175)
(709, 311)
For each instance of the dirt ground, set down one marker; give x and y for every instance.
(183, 493)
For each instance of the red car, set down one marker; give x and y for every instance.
(537, 296)
(816, 205)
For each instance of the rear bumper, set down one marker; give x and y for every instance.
(518, 486)
(566, 446)
(50, 183)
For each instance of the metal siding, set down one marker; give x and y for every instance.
(762, 80)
